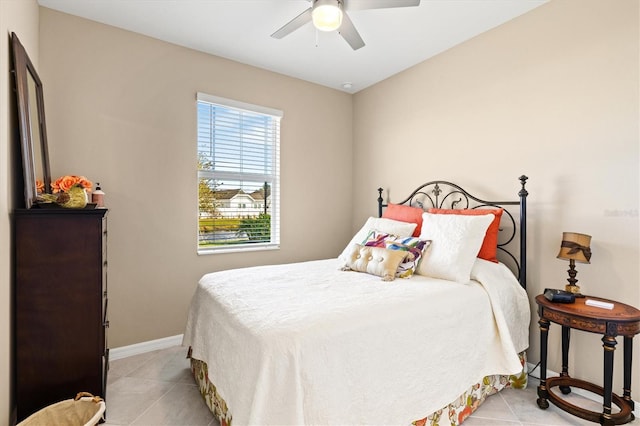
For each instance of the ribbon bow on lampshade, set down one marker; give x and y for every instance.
(574, 248)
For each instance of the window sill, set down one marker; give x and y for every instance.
(257, 247)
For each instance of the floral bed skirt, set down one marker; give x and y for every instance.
(453, 414)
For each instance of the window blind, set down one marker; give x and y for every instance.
(238, 175)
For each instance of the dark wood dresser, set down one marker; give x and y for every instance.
(60, 305)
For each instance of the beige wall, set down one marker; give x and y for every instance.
(552, 94)
(121, 110)
(21, 17)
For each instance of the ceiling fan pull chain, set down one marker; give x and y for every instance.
(317, 38)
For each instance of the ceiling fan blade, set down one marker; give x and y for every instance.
(350, 34)
(378, 4)
(294, 24)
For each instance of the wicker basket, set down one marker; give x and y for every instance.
(84, 410)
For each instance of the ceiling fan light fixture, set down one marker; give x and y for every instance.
(327, 14)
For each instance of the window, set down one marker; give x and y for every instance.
(238, 175)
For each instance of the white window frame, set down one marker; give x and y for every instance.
(274, 177)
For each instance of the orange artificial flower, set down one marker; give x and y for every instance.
(39, 186)
(64, 183)
(85, 183)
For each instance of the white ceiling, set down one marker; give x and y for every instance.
(396, 39)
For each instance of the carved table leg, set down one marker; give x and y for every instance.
(543, 393)
(565, 358)
(609, 345)
(628, 352)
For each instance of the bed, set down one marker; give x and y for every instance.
(373, 336)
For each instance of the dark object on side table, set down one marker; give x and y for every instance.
(559, 296)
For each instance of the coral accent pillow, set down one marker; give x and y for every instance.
(489, 248)
(405, 214)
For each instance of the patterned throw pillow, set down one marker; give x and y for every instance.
(380, 224)
(415, 248)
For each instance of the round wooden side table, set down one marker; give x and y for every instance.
(622, 320)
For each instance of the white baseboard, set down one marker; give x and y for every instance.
(144, 347)
(589, 395)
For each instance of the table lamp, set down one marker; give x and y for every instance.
(574, 248)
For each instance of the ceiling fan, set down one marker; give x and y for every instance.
(330, 15)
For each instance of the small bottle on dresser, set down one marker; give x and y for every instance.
(97, 196)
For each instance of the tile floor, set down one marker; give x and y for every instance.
(156, 388)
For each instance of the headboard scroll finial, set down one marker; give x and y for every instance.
(523, 180)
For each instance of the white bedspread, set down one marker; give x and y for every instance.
(306, 343)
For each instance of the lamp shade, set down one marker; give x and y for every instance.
(575, 247)
(327, 14)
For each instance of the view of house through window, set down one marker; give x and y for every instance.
(238, 175)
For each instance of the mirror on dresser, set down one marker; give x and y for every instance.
(33, 134)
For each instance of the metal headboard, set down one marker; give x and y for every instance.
(447, 195)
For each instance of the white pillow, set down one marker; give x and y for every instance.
(387, 226)
(456, 241)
